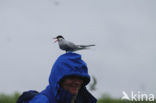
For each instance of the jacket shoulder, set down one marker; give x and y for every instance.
(40, 98)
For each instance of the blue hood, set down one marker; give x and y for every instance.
(66, 65)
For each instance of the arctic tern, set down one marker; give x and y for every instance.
(69, 46)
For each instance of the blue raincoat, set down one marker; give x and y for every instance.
(67, 64)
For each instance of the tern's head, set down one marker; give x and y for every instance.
(59, 38)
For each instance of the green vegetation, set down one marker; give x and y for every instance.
(4, 98)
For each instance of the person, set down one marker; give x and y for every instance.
(67, 82)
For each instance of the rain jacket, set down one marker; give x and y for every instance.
(67, 64)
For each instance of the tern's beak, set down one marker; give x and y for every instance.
(55, 40)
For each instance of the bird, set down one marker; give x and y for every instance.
(69, 46)
(93, 85)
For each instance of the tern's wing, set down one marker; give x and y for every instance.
(68, 46)
(78, 47)
(71, 45)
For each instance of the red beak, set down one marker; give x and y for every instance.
(55, 40)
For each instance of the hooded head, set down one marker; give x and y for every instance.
(68, 64)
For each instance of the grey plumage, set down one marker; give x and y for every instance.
(69, 46)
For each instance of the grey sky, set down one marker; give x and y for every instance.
(124, 32)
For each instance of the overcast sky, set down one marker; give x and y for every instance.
(124, 32)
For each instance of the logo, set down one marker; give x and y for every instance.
(137, 96)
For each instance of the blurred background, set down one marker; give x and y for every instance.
(124, 31)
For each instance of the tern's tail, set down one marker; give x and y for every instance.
(84, 46)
